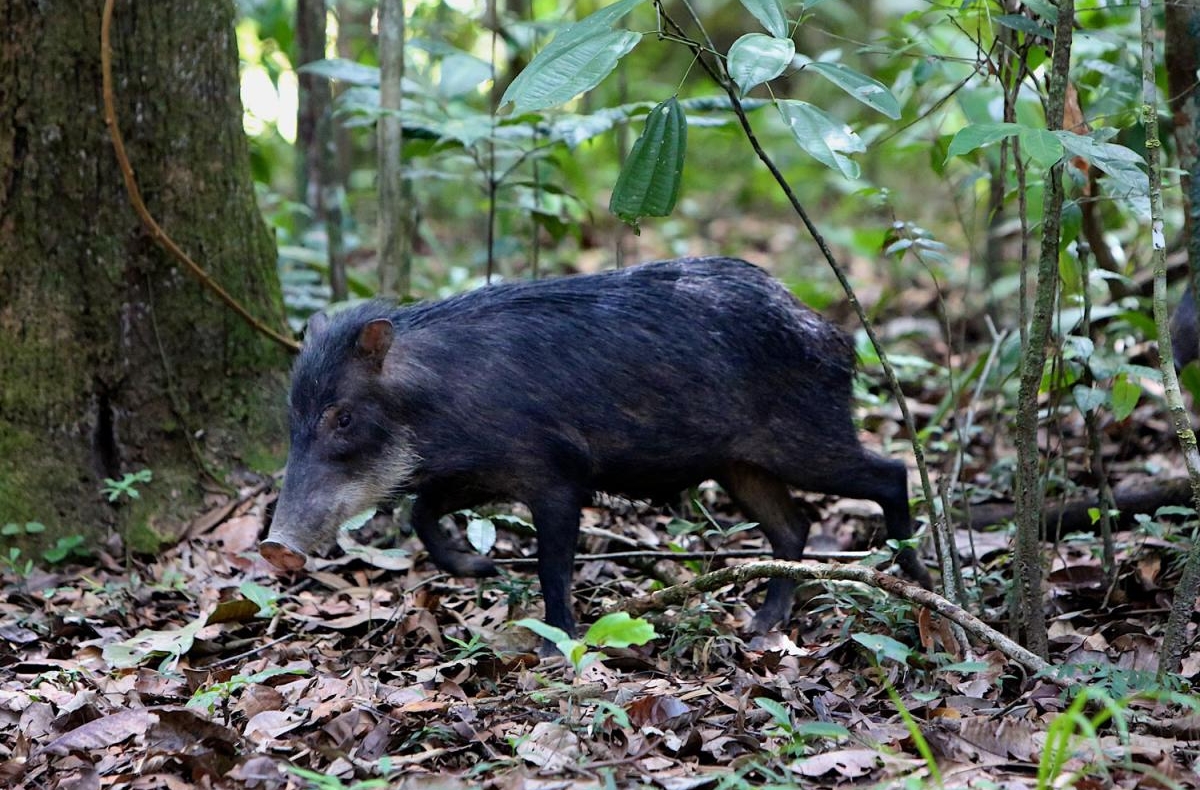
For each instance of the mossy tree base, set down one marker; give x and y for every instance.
(112, 359)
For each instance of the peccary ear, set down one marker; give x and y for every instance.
(374, 341)
(317, 324)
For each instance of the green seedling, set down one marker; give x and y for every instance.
(126, 486)
(612, 630)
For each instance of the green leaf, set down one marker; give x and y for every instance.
(1024, 24)
(481, 534)
(821, 729)
(544, 630)
(1088, 399)
(1041, 146)
(147, 644)
(577, 653)
(1125, 394)
(577, 60)
(1189, 378)
(346, 71)
(824, 138)
(769, 13)
(870, 92)
(574, 649)
(356, 521)
(461, 74)
(884, 647)
(756, 58)
(648, 185)
(1043, 9)
(778, 712)
(469, 129)
(619, 630)
(977, 135)
(967, 667)
(1126, 179)
(265, 597)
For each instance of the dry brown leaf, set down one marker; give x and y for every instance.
(848, 763)
(105, 731)
(656, 711)
(550, 746)
(273, 723)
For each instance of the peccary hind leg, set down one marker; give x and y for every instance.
(766, 500)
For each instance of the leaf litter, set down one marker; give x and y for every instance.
(202, 668)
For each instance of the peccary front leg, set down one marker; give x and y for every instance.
(447, 550)
(556, 516)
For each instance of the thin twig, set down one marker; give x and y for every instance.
(781, 569)
(683, 556)
(936, 516)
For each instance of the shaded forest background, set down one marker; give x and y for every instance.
(965, 185)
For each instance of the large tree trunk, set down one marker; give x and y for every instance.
(112, 358)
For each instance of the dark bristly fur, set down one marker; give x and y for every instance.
(641, 382)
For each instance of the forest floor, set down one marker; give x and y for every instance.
(202, 667)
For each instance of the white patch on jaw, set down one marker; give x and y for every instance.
(342, 501)
(390, 471)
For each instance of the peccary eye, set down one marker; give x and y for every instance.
(343, 420)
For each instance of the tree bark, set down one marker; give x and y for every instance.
(1029, 613)
(1176, 635)
(396, 228)
(112, 358)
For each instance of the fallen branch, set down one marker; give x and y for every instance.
(1062, 518)
(780, 569)
(653, 555)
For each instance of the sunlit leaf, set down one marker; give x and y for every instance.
(770, 15)
(618, 629)
(1125, 394)
(870, 92)
(824, 138)
(577, 60)
(756, 58)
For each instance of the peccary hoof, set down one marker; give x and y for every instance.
(282, 557)
(466, 564)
